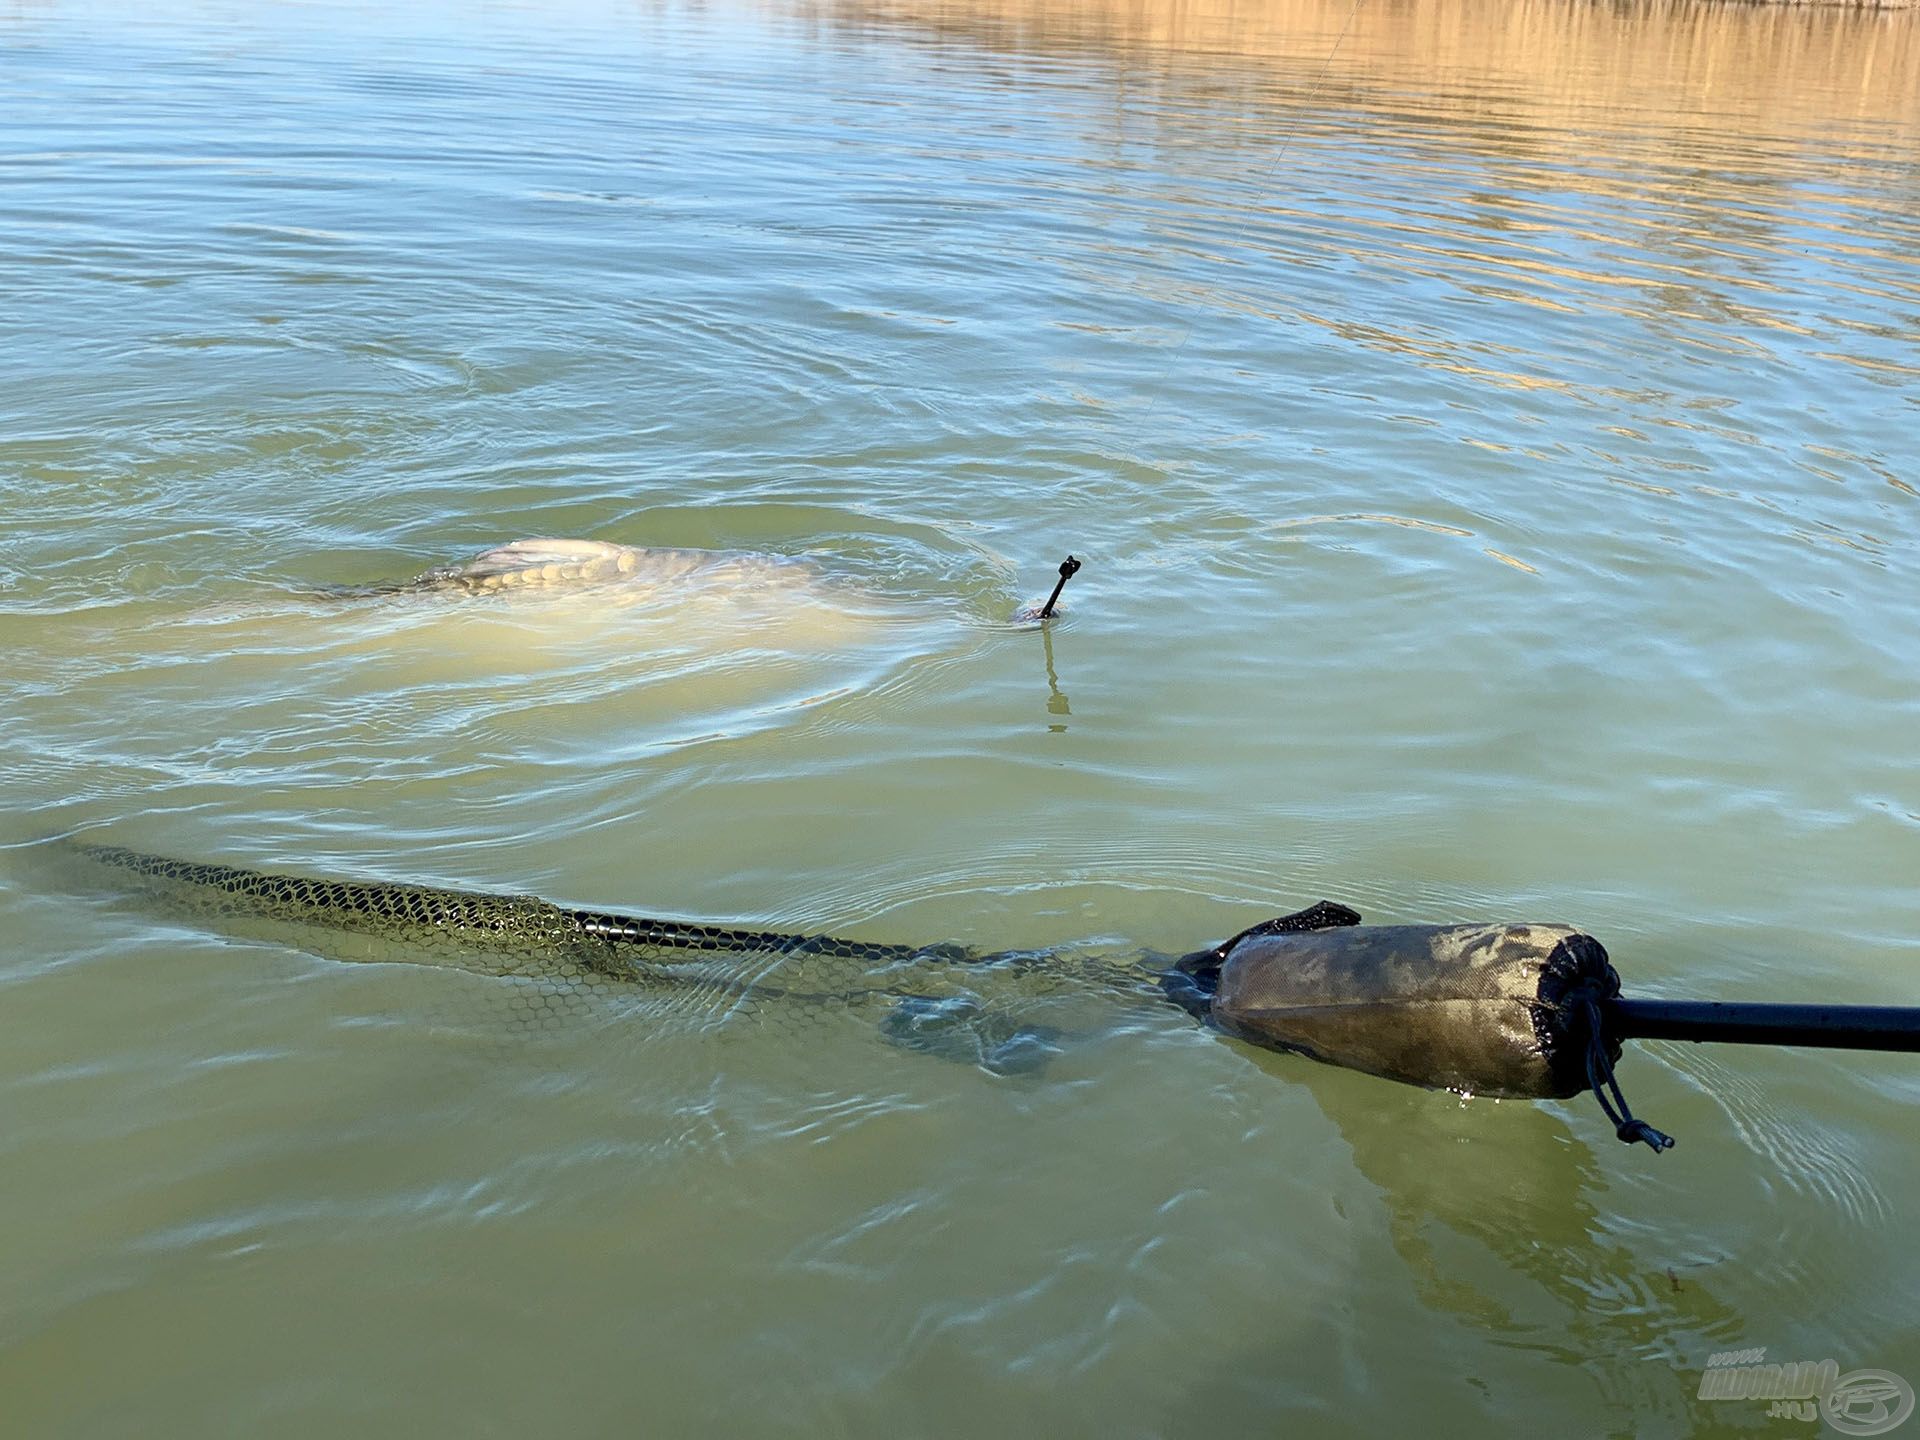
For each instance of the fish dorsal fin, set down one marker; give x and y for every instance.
(530, 554)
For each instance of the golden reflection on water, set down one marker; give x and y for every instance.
(1731, 184)
(1535, 73)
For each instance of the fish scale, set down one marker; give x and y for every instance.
(536, 564)
(554, 564)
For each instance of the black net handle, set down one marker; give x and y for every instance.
(1837, 1027)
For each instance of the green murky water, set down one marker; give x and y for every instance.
(1489, 430)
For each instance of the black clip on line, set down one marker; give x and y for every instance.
(1068, 569)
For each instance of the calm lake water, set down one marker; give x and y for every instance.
(1489, 430)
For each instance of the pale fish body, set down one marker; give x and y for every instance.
(552, 601)
(682, 632)
(739, 578)
(547, 564)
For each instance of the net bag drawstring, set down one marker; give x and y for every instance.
(1606, 1089)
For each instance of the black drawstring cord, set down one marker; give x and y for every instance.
(1600, 1077)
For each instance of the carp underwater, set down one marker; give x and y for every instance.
(679, 645)
(629, 572)
(548, 601)
(551, 564)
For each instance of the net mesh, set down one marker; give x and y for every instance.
(560, 965)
